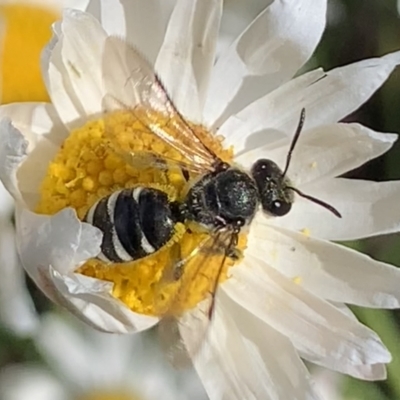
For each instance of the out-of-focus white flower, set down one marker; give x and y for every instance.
(88, 365)
(24, 31)
(17, 312)
(285, 299)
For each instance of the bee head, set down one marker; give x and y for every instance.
(274, 188)
(276, 191)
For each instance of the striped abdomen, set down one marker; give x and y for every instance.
(135, 223)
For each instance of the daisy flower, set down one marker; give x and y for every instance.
(24, 29)
(284, 300)
(89, 365)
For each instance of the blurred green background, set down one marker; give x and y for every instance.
(357, 29)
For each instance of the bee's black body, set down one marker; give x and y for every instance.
(135, 223)
(221, 198)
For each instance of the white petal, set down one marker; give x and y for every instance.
(328, 270)
(146, 23)
(232, 366)
(17, 311)
(373, 372)
(186, 57)
(24, 382)
(368, 209)
(51, 248)
(35, 121)
(60, 241)
(251, 127)
(325, 152)
(73, 59)
(327, 98)
(92, 302)
(13, 150)
(35, 129)
(6, 203)
(76, 4)
(82, 50)
(328, 383)
(267, 54)
(111, 15)
(316, 328)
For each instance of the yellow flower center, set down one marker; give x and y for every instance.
(108, 395)
(27, 30)
(89, 167)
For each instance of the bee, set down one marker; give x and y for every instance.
(221, 197)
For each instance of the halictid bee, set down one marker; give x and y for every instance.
(223, 199)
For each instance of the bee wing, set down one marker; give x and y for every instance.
(196, 270)
(146, 159)
(132, 85)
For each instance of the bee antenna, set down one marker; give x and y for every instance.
(294, 141)
(317, 201)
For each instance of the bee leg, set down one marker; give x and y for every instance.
(176, 256)
(234, 253)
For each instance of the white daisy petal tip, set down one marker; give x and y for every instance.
(393, 58)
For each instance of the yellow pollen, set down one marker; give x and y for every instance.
(297, 280)
(27, 30)
(90, 166)
(306, 232)
(313, 165)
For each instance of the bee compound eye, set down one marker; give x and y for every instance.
(280, 208)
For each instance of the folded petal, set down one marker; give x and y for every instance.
(51, 248)
(35, 121)
(92, 302)
(184, 62)
(314, 326)
(61, 241)
(327, 98)
(35, 129)
(328, 270)
(237, 363)
(13, 151)
(367, 208)
(267, 54)
(324, 152)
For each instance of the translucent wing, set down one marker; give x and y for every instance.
(202, 268)
(132, 85)
(145, 159)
